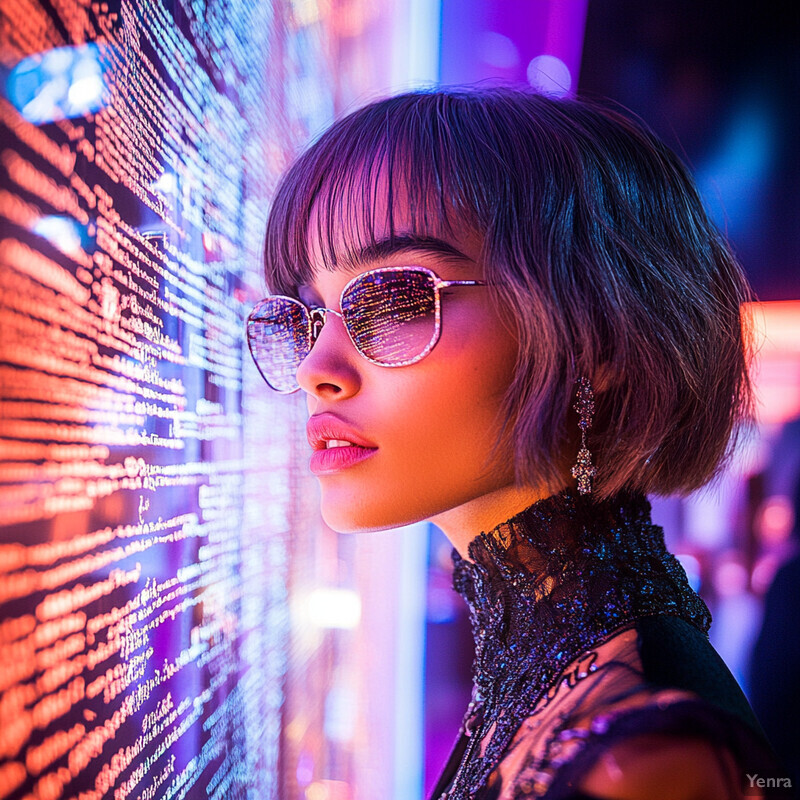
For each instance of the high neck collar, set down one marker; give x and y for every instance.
(551, 583)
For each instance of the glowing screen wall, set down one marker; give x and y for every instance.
(143, 525)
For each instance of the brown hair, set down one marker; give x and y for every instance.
(595, 243)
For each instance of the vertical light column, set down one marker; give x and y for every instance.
(415, 64)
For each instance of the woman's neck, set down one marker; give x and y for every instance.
(463, 523)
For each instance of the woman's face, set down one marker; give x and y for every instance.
(432, 425)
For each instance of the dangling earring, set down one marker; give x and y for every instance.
(583, 470)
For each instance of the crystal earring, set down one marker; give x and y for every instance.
(583, 470)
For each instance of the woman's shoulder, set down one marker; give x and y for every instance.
(671, 744)
(640, 709)
(674, 654)
(644, 766)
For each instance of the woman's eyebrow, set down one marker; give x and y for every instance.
(383, 248)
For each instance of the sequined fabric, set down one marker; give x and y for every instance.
(547, 586)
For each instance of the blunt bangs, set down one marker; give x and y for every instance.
(596, 247)
(385, 169)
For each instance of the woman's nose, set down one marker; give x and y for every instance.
(331, 369)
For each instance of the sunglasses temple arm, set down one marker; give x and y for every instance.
(445, 284)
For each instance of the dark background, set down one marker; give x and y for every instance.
(718, 81)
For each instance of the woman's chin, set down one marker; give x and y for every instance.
(346, 522)
(358, 517)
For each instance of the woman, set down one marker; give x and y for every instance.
(511, 316)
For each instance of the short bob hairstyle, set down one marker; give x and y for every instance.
(595, 245)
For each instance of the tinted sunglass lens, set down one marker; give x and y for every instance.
(391, 315)
(278, 333)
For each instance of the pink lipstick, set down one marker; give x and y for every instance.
(337, 445)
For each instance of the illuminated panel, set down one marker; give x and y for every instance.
(776, 371)
(145, 475)
(156, 522)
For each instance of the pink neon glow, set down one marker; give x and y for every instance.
(776, 370)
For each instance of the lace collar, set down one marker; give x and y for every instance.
(554, 582)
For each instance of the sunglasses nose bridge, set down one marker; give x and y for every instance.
(317, 321)
(318, 317)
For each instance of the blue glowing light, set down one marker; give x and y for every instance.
(61, 83)
(61, 232)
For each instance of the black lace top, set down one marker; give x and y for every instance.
(545, 591)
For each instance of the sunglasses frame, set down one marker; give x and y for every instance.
(317, 317)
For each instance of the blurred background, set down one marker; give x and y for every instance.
(175, 619)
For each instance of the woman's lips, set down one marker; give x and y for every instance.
(326, 427)
(325, 462)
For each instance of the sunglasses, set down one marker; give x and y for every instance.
(392, 315)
